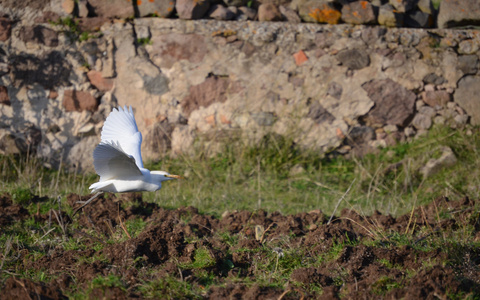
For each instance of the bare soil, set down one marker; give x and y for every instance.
(372, 263)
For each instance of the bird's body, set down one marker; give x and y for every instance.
(118, 160)
(149, 181)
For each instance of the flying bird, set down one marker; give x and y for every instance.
(118, 159)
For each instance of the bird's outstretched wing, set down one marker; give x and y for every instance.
(112, 162)
(120, 127)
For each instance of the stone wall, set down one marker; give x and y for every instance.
(205, 83)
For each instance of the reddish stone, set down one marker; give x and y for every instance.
(4, 98)
(213, 89)
(5, 29)
(269, 12)
(300, 57)
(210, 119)
(53, 94)
(48, 16)
(394, 104)
(436, 98)
(74, 100)
(91, 24)
(102, 84)
(224, 120)
(112, 8)
(170, 48)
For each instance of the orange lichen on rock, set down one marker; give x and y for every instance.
(325, 14)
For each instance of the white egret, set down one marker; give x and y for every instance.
(118, 159)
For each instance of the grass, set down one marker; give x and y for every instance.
(243, 177)
(253, 178)
(250, 178)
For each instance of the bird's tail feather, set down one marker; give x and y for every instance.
(99, 186)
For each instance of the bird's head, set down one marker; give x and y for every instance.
(163, 176)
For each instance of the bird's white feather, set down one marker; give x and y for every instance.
(111, 162)
(120, 127)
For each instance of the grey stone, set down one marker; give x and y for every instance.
(143, 32)
(389, 17)
(296, 170)
(354, 59)
(418, 19)
(421, 121)
(454, 13)
(373, 34)
(460, 120)
(269, 12)
(402, 6)
(220, 12)
(425, 6)
(191, 9)
(263, 118)
(112, 8)
(80, 155)
(246, 13)
(468, 64)
(393, 103)
(289, 14)
(390, 128)
(82, 8)
(335, 90)
(155, 85)
(433, 166)
(409, 131)
(237, 3)
(360, 135)
(466, 96)
(160, 8)
(439, 120)
(468, 46)
(433, 79)
(319, 114)
(358, 12)
(428, 111)
(419, 104)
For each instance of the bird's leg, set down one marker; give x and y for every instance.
(86, 202)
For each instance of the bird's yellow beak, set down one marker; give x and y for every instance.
(174, 176)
